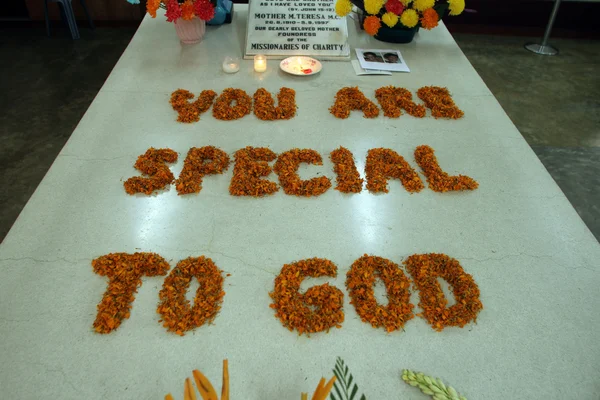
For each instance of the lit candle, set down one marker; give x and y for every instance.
(260, 63)
(231, 65)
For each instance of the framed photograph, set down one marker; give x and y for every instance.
(381, 59)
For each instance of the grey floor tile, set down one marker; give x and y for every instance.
(576, 170)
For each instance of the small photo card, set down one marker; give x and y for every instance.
(381, 59)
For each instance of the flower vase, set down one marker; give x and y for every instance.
(191, 31)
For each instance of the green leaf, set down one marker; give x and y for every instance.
(337, 390)
(354, 390)
(344, 387)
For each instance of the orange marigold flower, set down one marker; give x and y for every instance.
(152, 6)
(187, 10)
(430, 19)
(372, 25)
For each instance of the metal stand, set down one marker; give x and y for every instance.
(544, 48)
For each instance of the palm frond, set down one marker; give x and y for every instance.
(344, 387)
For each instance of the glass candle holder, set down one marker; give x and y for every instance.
(231, 65)
(260, 63)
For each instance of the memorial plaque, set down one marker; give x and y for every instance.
(283, 28)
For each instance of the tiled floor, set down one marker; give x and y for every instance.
(48, 83)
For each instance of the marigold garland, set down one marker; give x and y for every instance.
(424, 269)
(383, 164)
(223, 109)
(343, 7)
(347, 177)
(177, 314)
(430, 19)
(286, 168)
(372, 25)
(390, 19)
(251, 163)
(440, 102)
(125, 273)
(195, 167)
(439, 180)
(190, 112)
(360, 282)
(152, 163)
(409, 18)
(351, 98)
(264, 105)
(393, 99)
(295, 309)
(456, 7)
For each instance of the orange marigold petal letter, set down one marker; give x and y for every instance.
(440, 102)
(360, 281)
(351, 98)
(152, 163)
(177, 314)
(286, 167)
(223, 109)
(195, 167)
(439, 180)
(124, 272)
(383, 164)
(264, 105)
(348, 179)
(190, 112)
(425, 269)
(393, 99)
(319, 309)
(252, 163)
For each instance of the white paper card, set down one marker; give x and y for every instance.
(382, 59)
(361, 71)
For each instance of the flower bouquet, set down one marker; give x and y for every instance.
(397, 21)
(188, 16)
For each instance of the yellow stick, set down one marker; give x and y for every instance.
(204, 386)
(317, 394)
(225, 390)
(327, 388)
(188, 390)
(304, 396)
(169, 397)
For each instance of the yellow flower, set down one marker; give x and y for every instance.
(406, 2)
(373, 6)
(456, 6)
(422, 5)
(409, 18)
(343, 7)
(390, 19)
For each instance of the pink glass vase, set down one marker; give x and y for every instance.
(191, 31)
